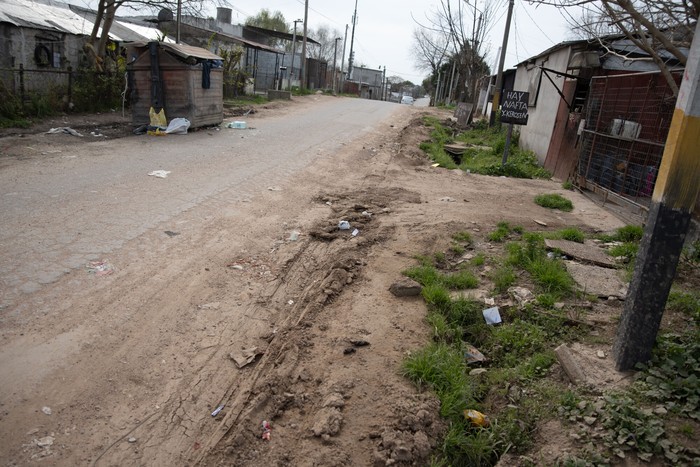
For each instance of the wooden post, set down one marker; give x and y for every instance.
(673, 201)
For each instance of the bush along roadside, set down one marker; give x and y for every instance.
(483, 151)
(498, 384)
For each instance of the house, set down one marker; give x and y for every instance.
(366, 82)
(42, 40)
(265, 64)
(596, 117)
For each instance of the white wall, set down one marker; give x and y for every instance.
(536, 135)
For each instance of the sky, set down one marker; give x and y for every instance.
(384, 30)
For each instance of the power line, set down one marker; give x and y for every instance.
(319, 13)
(536, 25)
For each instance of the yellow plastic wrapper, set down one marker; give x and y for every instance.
(477, 418)
(157, 118)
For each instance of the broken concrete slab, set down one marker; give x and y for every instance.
(584, 366)
(569, 364)
(596, 280)
(588, 252)
(406, 287)
(470, 294)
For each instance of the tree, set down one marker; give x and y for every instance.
(326, 37)
(658, 27)
(432, 47)
(106, 10)
(457, 29)
(265, 19)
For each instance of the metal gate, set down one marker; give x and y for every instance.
(627, 121)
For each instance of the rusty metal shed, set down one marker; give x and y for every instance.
(177, 81)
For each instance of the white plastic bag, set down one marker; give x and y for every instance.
(178, 126)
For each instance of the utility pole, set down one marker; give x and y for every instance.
(342, 59)
(303, 45)
(179, 20)
(384, 84)
(437, 89)
(335, 60)
(672, 204)
(351, 60)
(501, 62)
(294, 52)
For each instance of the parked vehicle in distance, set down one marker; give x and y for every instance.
(407, 100)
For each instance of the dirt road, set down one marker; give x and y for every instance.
(238, 248)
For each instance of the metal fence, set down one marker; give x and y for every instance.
(22, 81)
(626, 125)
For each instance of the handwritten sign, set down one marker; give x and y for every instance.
(514, 107)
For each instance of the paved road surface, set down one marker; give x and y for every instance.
(84, 204)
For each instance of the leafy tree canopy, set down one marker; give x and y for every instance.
(268, 20)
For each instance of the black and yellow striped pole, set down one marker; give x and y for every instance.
(677, 188)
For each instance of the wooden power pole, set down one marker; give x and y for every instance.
(675, 193)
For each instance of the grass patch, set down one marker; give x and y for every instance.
(427, 275)
(554, 201)
(479, 260)
(572, 234)
(457, 249)
(463, 237)
(567, 185)
(549, 274)
(503, 277)
(685, 302)
(655, 418)
(503, 230)
(485, 154)
(242, 101)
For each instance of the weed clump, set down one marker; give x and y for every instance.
(554, 201)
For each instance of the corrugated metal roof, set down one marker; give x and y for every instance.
(184, 51)
(43, 15)
(50, 15)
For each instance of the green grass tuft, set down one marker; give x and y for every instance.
(572, 234)
(462, 237)
(554, 201)
(502, 278)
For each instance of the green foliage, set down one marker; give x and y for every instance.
(235, 78)
(11, 112)
(548, 273)
(268, 20)
(484, 157)
(567, 185)
(572, 234)
(516, 342)
(630, 233)
(503, 277)
(457, 249)
(673, 375)
(297, 91)
(503, 230)
(546, 300)
(685, 302)
(430, 276)
(479, 260)
(96, 92)
(691, 254)
(462, 237)
(626, 250)
(460, 280)
(501, 233)
(554, 201)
